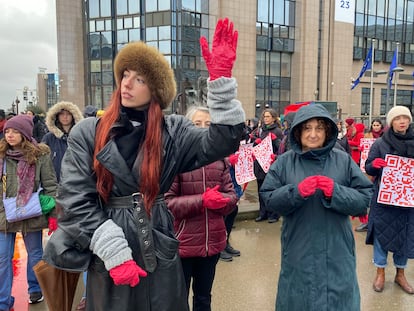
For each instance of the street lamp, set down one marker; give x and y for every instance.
(396, 70)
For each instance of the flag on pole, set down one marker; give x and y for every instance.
(392, 66)
(367, 65)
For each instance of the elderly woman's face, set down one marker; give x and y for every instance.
(313, 134)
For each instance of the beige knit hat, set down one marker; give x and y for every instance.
(151, 64)
(398, 111)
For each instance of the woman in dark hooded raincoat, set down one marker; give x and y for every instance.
(316, 187)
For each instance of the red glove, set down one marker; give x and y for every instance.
(223, 52)
(308, 186)
(127, 273)
(213, 199)
(326, 184)
(379, 162)
(233, 158)
(52, 225)
(273, 136)
(257, 141)
(273, 157)
(363, 219)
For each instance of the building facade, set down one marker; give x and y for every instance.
(289, 51)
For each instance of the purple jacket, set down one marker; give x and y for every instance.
(201, 231)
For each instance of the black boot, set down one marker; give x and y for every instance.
(233, 252)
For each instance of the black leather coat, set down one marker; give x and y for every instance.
(152, 240)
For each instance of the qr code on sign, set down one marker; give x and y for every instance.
(397, 182)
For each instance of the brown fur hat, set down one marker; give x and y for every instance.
(151, 64)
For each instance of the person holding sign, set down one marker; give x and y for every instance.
(390, 228)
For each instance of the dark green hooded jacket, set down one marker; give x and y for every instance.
(318, 266)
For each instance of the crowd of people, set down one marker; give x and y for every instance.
(144, 203)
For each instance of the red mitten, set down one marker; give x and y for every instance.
(223, 52)
(326, 184)
(363, 219)
(379, 162)
(273, 136)
(127, 273)
(52, 225)
(257, 141)
(213, 199)
(273, 157)
(307, 187)
(233, 158)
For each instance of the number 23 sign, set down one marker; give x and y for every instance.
(345, 11)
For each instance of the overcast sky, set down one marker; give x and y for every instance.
(27, 42)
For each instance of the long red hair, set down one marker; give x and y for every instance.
(150, 170)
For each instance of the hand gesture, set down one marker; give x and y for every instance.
(307, 187)
(223, 52)
(379, 163)
(213, 199)
(127, 273)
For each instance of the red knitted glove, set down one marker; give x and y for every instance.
(307, 187)
(273, 157)
(363, 219)
(223, 52)
(52, 225)
(127, 273)
(213, 199)
(233, 158)
(257, 141)
(379, 162)
(326, 184)
(273, 136)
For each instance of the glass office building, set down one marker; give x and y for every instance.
(289, 51)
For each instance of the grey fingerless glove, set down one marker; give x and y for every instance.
(109, 243)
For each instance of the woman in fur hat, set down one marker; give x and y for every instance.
(391, 228)
(118, 167)
(59, 121)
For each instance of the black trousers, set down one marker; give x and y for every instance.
(202, 271)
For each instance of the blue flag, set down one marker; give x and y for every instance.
(367, 65)
(392, 66)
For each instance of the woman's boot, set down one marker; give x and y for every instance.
(402, 281)
(379, 281)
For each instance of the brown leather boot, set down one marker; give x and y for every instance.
(402, 281)
(379, 281)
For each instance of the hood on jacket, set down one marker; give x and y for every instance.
(309, 112)
(52, 120)
(359, 127)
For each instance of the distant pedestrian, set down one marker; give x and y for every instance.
(90, 111)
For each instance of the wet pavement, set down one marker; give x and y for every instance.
(249, 282)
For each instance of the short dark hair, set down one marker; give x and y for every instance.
(297, 131)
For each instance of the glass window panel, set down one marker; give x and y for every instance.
(278, 12)
(290, 13)
(284, 32)
(260, 94)
(274, 65)
(105, 7)
(262, 10)
(128, 22)
(151, 5)
(381, 8)
(122, 7)
(107, 93)
(260, 63)
(410, 11)
(164, 32)
(133, 6)
(107, 65)
(360, 6)
(108, 24)
(371, 26)
(122, 36)
(372, 7)
(198, 6)
(107, 78)
(95, 66)
(392, 8)
(96, 78)
(165, 47)
(285, 68)
(188, 5)
(163, 5)
(100, 25)
(137, 22)
(390, 29)
(134, 35)
(400, 10)
(120, 23)
(151, 34)
(92, 26)
(93, 8)
(106, 37)
(106, 52)
(96, 96)
(359, 24)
